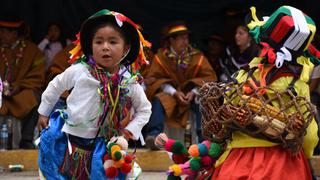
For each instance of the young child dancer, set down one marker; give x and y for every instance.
(106, 100)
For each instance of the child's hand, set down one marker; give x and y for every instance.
(161, 140)
(42, 122)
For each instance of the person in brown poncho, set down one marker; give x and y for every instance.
(22, 73)
(178, 70)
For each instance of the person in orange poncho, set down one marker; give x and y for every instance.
(178, 70)
(22, 72)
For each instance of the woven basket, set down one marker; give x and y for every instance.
(226, 108)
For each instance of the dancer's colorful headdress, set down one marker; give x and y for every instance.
(288, 30)
(135, 57)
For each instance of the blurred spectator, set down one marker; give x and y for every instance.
(58, 65)
(217, 56)
(1, 89)
(59, 62)
(315, 75)
(228, 60)
(22, 71)
(53, 42)
(145, 69)
(315, 85)
(178, 70)
(244, 51)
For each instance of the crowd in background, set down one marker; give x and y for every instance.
(172, 80)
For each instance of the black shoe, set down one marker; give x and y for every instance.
(150, 143)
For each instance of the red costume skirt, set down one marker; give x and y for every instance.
(268, 163)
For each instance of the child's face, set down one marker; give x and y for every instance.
(108, 47)
(54, 32)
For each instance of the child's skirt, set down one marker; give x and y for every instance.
(272, 163)
(55, 161)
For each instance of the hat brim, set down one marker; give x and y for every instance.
(131, 34)
(8, 24)
(177, 33)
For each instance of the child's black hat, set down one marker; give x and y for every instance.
(130, 29)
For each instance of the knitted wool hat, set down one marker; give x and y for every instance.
(130, 29)
(287, 30)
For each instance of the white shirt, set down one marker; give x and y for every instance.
(169, 89)
(51, 51)
(84, 100)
